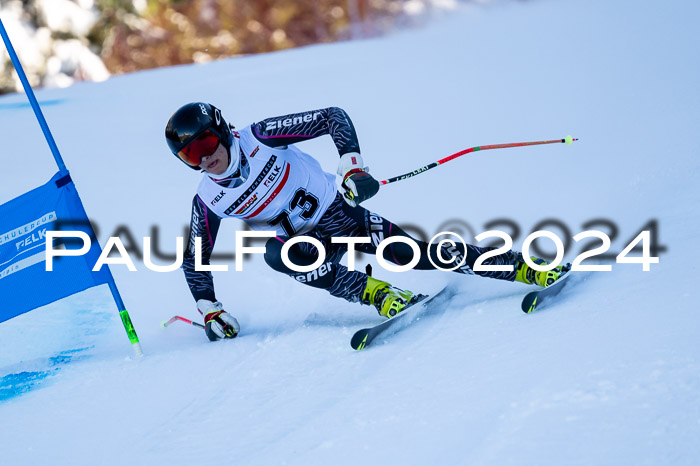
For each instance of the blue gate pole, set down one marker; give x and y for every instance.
(126, 320)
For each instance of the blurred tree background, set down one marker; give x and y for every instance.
(62, 41)
(169, 32)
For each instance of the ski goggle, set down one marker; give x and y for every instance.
(205, 144)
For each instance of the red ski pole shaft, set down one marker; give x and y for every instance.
(176, 318)
(567, 140)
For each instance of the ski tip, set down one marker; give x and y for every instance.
(359, 340)
(532, 307)
(529, 303)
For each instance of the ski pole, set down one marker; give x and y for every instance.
(567, 140)
(176, 318)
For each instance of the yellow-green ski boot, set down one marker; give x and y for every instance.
(388, 299)
(533, 277)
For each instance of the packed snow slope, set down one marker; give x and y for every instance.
(608, 375)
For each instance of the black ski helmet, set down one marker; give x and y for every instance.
(190, 121)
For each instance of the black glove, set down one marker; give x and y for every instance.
(358, 186)
(218, 323)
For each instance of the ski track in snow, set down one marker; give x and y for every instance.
(607, 374)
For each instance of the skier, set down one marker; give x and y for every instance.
(259, 175)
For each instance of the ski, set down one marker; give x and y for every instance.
(534, 299)
(363, 337)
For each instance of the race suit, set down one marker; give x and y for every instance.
(287, 191)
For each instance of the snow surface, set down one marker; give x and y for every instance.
(610, 375)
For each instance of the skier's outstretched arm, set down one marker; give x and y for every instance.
(205, 225)
(358, 185)
(297, 127)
